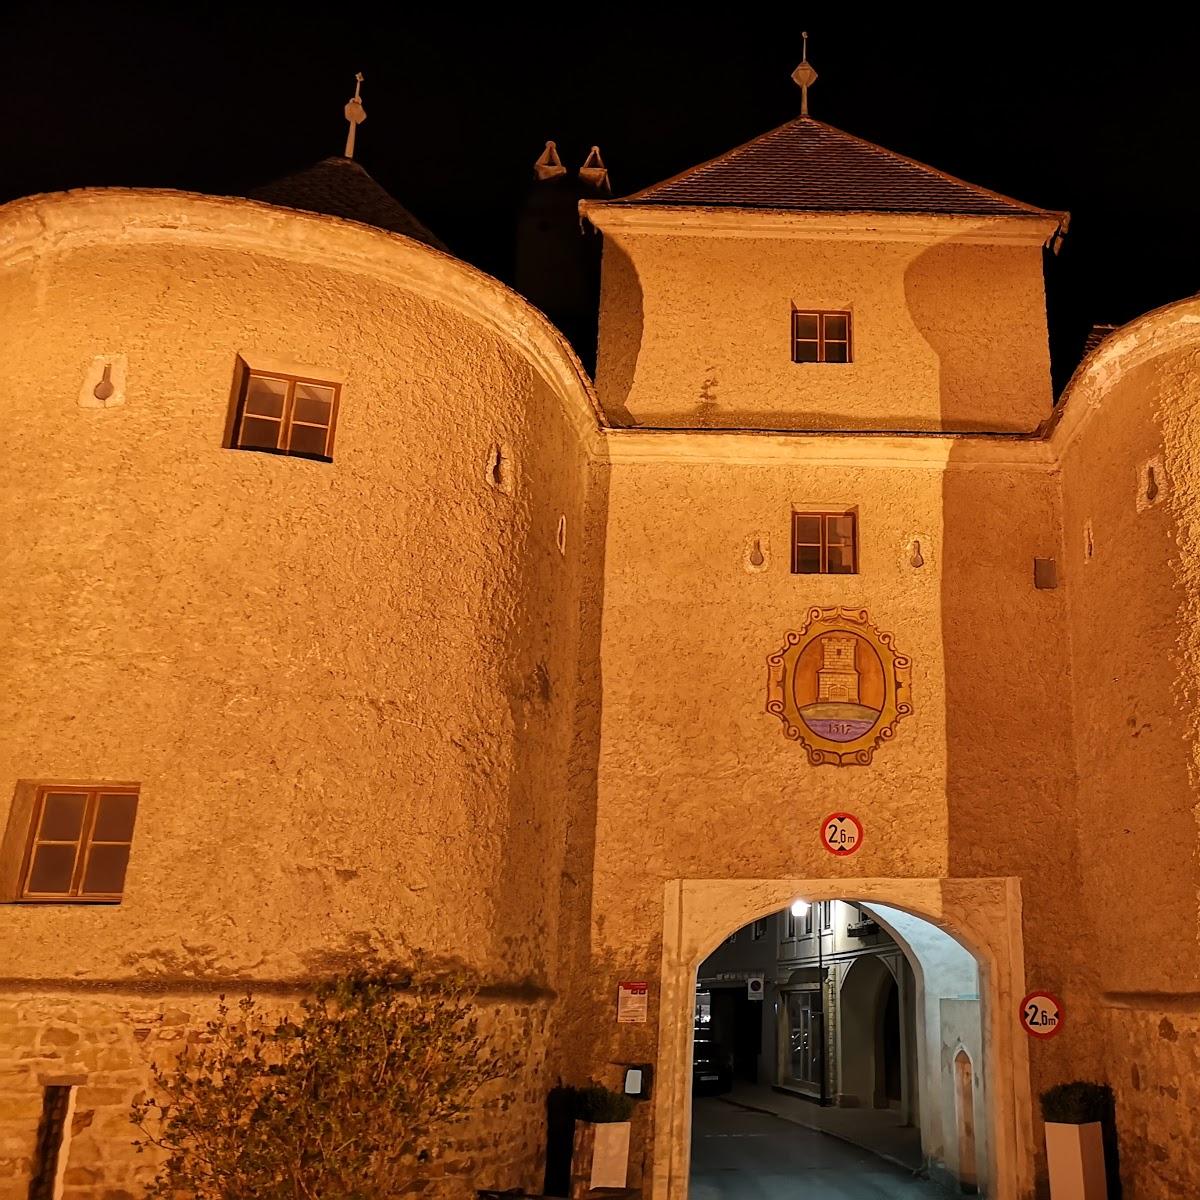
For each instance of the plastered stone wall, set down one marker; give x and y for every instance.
(344, 687)
(1133, 549)
(1155, 1061)
(695, 330)
(696, 779)
(347, 689)
(111, 1041)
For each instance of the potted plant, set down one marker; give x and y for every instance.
(600, 1153)
(1075, 1115)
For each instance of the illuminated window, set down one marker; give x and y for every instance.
(79, 840)
(797, 926)
(820, 337)
(824, 543)
(285, 414)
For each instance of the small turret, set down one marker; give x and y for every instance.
(340, 187)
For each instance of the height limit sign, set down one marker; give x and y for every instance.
(1042, 1014)
(841, 833)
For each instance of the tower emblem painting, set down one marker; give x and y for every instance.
(839, 686)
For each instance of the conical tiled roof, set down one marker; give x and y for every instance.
(339, 187)
(807, 165)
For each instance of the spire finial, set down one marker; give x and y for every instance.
(549, 165)
(804, 77)
(355, 113)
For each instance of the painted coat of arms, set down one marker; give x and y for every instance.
(839, 686)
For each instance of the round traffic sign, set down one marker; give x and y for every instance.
(1042, 1014)
(841, 833)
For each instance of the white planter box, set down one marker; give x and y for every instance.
(600, 1157)
(1075, 1156)
(610, 1156)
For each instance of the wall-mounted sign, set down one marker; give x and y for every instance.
(633, 1003)
(1042, 1014)
(841, 833)
(839, 686)
(755, 986)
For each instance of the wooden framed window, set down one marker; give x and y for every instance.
(79, 839)
(820, 337)
(285, 414)
(797, 926)
(824, 543)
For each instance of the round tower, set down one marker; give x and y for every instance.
(293, 516)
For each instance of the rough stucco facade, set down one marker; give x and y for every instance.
(346, 689)
(375, 710)
(949, 332)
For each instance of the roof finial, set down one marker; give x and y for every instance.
(594, 172)
(804, 77)
(549, 165)
(355, 113)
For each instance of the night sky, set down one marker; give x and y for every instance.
(1104, 122)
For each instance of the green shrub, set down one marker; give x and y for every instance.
(344, 1101)
(1077, 1103)
(593, 1103)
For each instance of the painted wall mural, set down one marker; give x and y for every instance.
(839, 686)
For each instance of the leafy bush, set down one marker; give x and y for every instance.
(1077, 1103)
(594, 1103)
(344, 1101)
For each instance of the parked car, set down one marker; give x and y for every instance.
(712, 1067)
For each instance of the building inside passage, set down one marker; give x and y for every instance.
(861, 1007)
(349, 619)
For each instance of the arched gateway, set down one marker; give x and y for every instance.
(982, 915)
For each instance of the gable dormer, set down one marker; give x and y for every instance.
(812, 280)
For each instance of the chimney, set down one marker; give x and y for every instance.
(594, 173)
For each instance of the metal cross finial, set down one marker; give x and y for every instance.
(355, 113)
(804, 77)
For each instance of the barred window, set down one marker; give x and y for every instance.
(79, 841)
(820, 337)
(824, 543)
(285, 414)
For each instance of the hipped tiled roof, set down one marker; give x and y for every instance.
(807, 165)
(339, 187)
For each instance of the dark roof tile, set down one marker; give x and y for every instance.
(807, 165)
(339, 187)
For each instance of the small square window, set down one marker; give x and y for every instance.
(284, 414)
(78, 843)
(824, 543)
(820, 337)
